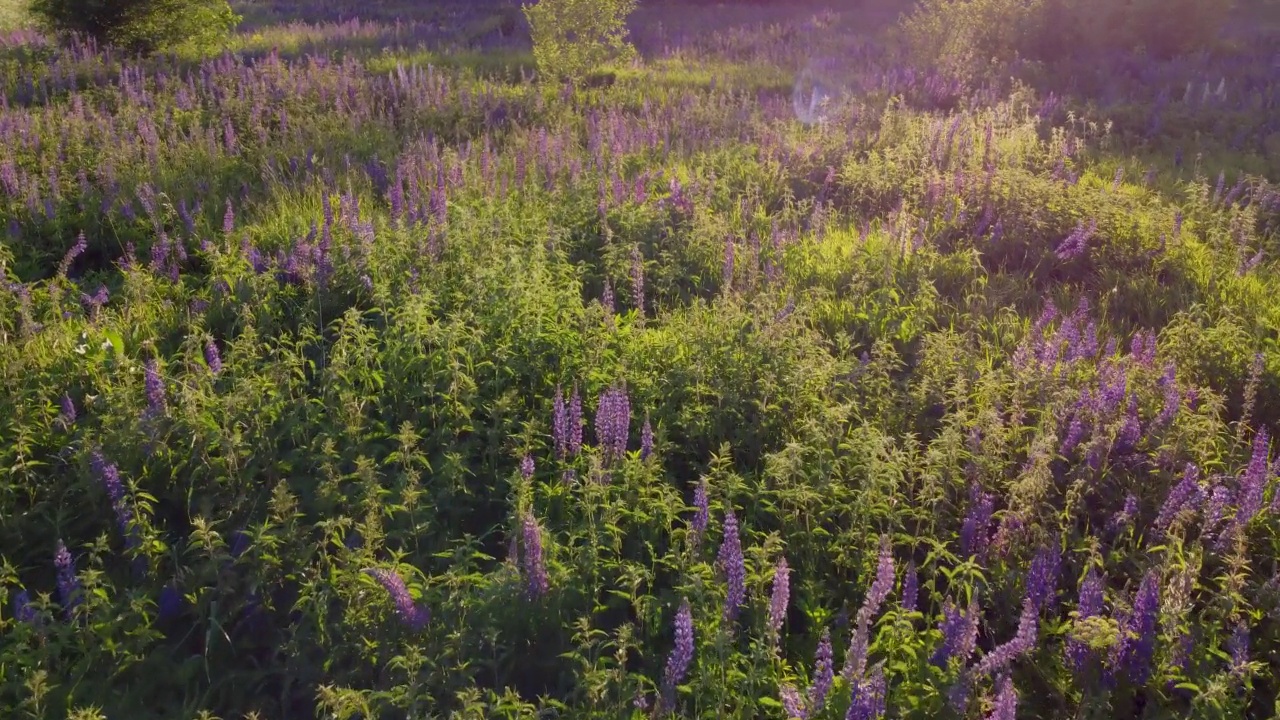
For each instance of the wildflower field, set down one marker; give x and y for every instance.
(354, 371)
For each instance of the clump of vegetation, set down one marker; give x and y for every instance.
(573, 37)
(139, 25)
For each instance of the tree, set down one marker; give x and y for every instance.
(573, 37)
(139, 25)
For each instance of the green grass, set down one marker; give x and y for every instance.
(13, 14)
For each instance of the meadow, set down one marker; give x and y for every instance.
(355, 372)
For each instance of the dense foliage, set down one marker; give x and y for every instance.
(573, 37)
(139, 25)
(351, 373)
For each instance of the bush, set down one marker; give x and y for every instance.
(974, 38)
(573, 37)
(140, 25)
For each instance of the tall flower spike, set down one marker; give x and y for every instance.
(526, 466)
(792, 703)
(413, 616)
(1132, 655)
(68, 583)
(780, 597)
(910, 588)
(646, 439)
(1006, 702)
(868, 698)
(733, 567)
(702, 511)
(1089, 606)
(681, 656)
(23, 612)
(823, 674)
(959, 630)
(212, 357)
(1042, 576)
(154, 387)
(68, 414)
(535, 569)
(109, 475)
(1022, 642)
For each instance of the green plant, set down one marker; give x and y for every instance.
(573, 37)
(140, 25)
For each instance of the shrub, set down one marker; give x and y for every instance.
(139, 25)
(573, 37)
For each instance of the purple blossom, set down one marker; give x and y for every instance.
(792, 703)
(1130, 430)
(415, 617)
(1042, 576)
(856, 657)
(702, 512)
(780, 596)
(1125, 516)
(1132, 654)
(212, 357)
(1077, 242)
(67, 416)
(109, 475)
(1022, 642)
(1088, 606)
(868, 698)
(959, 630)
(823, 673)
(526, 466)
(606, 301)
(1238, 649)
(975, 532)
(732, 567)
(154, 387)
(1215, 510)
(1172, 396)
(68, 583)
(910, 588)
(1006, 703)
(1186, 492)
(1253, 484)
(681, 656)
(613, 423)
(1075, 431)
(23, 611)
(637, 280)
(535, 569)
(229, 217)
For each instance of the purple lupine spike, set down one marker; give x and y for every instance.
(792, 704)
(883, 584)
(575, 423)
(560, 424)
(414, 617)
(975, 533)
(1130, 430)
(1238, 649)
(606, 300)
(732, 567)
(109, 475)
(823, 673)
(67, 416)
(76, 251)
(1133, 653)
(1253, 484)
(637, 279)
(23, 611)
(68, 583)
(1125, 516)
(1042, 576)
(868, 698)
(229, 218)
(702, 511)
(212, 357)
(1088, 606)
(1215, 511)
(1006, 702)
(1172, 396)
(910, 588)
(681, 657)
(154, 387)
(780, 596)
(1022, 642)
(959, 630)
(613, 423)
(170, 603)
(526, 466)
(646, 439)
(535, 568)
(1075, 432)
(1182, 494)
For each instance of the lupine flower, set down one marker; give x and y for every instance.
(974, 533)
(1022, 642)
(823, 674)
(637, 280)
(1215, 509)
(23, 612)
(613, 423)
(910, 588)
(732, 566)
(646, 439)
(1182, 494)
(68, 583)
(1138, 632)
(170, 603)
(1238, 648)
(1253, 485)
(1077, 242)
(1075, 431)
(1130, 430)
(606, 300)
(1125, 516)
(526, 466)
(535, 568)
(780, 597)
(702, 512)
(856, 657)
(154, 387)
(415, 617)
(681, 656)
(229, 217)
(212, 357)
(1042, 576)
(68, 414)
(792, 704)
(959, 630)
(1006, 704)
(109, 475)
(1088, 606)
(1172, 396)
(868, 698)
